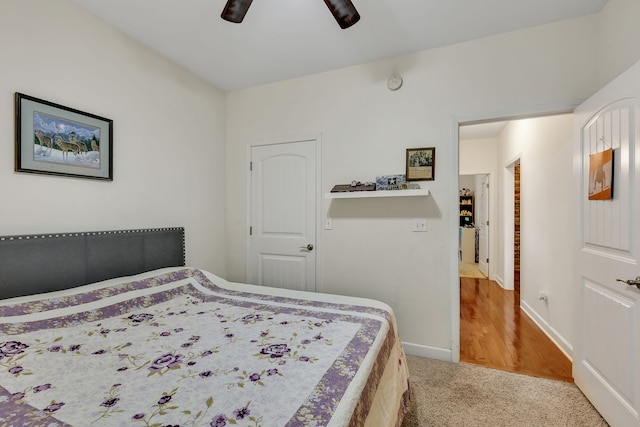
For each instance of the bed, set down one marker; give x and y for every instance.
(111, 328)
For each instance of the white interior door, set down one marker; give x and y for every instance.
(606, 354)
(482, 223)
(282, 242)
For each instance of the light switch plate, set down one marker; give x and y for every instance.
(328, 224)
(419, 224)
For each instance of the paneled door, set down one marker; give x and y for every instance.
(606, 359)
(482, 223)
(283, 220)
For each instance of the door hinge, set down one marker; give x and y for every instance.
(487, 223)
(487, 260)
(250, 230)
(251, 166)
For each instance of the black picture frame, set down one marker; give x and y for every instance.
(421, 164)
(52, 139)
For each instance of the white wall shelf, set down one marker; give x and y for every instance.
(372, 194)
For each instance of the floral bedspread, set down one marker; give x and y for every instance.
(177, 350)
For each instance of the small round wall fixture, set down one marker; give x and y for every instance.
(394, 82)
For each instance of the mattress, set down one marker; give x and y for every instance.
(181, 346)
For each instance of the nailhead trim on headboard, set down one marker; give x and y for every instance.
(65, 260)
(95, 233)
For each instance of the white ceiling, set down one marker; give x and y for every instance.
(283, 39)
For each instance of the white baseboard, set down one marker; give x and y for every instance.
(553, 335)
(500, 281)
(443, 354)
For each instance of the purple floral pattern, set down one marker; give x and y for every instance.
(181, 356)
(12, 348)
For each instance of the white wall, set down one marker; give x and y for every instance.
(365, 130)
(618, 35)
(168, 131)
(544, 146)
(478, 156)
(466, 181)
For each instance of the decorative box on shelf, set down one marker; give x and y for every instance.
(390, 182)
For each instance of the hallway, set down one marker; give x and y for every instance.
(496, 333)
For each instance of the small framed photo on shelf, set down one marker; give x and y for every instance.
(421, 164)
(55, 140)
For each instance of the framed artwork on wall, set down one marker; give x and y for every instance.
(421, 164)
(55, 140)
(601, 175)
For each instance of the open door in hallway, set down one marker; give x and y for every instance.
(482, 224)
(607, 348)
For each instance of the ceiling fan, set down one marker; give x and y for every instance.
(343, 10)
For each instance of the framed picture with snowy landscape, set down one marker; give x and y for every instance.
(55, 140)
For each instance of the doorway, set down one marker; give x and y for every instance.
(506, 344)
(516, 229)
(478, 172)
(509, 243)
(474, 242)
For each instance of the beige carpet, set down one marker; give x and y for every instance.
(470, 270)
(447, 394)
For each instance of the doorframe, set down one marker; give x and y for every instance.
(508, 243)
(453, 200)
(317, 138)
(492, 217)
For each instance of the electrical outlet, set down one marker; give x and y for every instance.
(419, 224)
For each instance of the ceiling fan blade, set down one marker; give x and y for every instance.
(235, 10)
(344, 11)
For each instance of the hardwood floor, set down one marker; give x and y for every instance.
(496, 333)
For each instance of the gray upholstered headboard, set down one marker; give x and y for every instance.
(33, 264)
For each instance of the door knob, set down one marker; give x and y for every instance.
(631, 282)
(309, 247)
